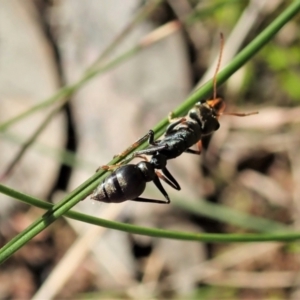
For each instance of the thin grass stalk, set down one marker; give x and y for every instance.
(203, 208)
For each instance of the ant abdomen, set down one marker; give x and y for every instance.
(125, 183)
(128, 182)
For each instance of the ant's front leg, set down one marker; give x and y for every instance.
(171, 119)
(177, 119)
(174, 122)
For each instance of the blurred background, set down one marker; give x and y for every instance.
(244, 181)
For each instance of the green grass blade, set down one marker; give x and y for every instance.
(284, 235)
(203, 208)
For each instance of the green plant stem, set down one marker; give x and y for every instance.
(202, 208)
(84, 189)
(284, 235)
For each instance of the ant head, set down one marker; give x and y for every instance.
(217, 106)
(209, 110)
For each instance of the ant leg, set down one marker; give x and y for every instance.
(169, 179)
(150, 151)
(191, 151)
(197, 152)
(149, 136)
(169, 182)
(142, 157)
(173, 124)
(161, 188)
(113, 167)
(108, 168)
(171, 119)
(156, 148)
(199, 146)
(147, 200)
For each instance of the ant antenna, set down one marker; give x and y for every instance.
(239, 114)
(215, 85)
(218, 64)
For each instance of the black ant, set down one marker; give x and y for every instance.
(128, 182)
(184, 132)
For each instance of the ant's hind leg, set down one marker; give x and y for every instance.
(108, 167)
(147, 200)
(168, 178)
(113, 167)
(158, 184)
(149, 136)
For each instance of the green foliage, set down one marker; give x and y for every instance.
(210, 293)
(284, 61)
(218, 8)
